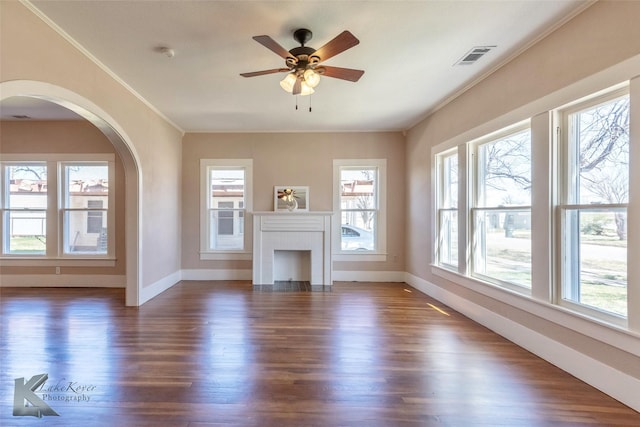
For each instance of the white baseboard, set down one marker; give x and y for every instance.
(198, 274)
(616, 384)
(63, 281)
(158, 287)
(368, 276)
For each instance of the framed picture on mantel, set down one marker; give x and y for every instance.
(290, 198)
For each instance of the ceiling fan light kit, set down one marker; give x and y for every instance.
(303, 62)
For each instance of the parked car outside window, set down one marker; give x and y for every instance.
(356, 239)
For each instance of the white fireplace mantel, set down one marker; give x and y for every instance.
(292, 231)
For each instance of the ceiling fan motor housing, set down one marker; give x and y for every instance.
(302, 35)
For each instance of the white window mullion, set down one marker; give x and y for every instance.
(464, 160)
(542, 141)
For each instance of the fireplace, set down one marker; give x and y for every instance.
(288, 245)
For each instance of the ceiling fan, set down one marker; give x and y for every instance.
(303, 62)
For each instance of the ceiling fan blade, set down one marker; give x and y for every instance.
(273, 45)
(262, 73)
(297, 86)
(343, 41)
(342, 73)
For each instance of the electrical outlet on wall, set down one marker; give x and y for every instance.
(57, 270)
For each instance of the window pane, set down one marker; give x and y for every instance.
(358, 231)
(86, 183)
(226, 184)
(221, 235)
(600, 149)
(448, 241)
(502, 247)
(226, 214)
(358, 188)
(27, 232)
(28, 193)
(450, 181)
(359, 207)
(596, 259)
(504, 171)
(79, 238)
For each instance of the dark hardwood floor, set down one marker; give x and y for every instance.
(219, 354)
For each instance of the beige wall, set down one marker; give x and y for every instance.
(31, 50)
(76, 137)
(294, 159)
(563, 66)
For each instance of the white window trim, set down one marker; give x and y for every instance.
(474, 194)
(561, 116)
(54, 255)
(380, 254)
(542, 109)
(246, 253)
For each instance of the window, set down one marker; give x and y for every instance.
(85, 192)
(74, 220)
(501, 209)
(24, 204)
(594, 202)
(447, 215)
(360, 198)
(225, 198)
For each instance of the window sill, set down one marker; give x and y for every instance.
(56, 262)
(369, 257)
(226, 256)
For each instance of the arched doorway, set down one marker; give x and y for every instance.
(123, 145)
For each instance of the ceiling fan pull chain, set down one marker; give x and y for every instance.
(296, 102)
(309, 103)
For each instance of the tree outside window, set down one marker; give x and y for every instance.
(595, 202)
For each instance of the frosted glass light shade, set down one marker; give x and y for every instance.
(305, 89)
(288, 82)
(311, 78)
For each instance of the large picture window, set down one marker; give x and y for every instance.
(225, 197)
(593, 210)
(501, 209)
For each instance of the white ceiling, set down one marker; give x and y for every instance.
(407, 48)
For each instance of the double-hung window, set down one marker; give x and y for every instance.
(226, 196)
(58, 206)
(594, 197)
(501, 209)
(24, 203)
(447, 209)
(360, 201)
(84, 206)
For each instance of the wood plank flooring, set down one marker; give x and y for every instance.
(209, 354)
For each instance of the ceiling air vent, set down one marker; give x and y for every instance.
(474, 54)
